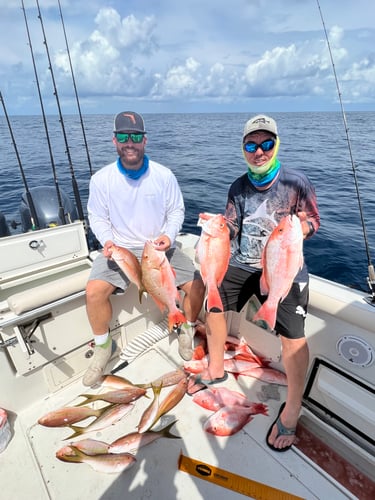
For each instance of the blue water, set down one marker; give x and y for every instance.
(204, 152)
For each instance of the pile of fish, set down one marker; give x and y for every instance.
(232, 410)
(118, 455)
(239, 359)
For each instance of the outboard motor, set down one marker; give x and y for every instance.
(47, 208)
(4, 228)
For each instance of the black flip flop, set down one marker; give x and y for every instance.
(281, 431)
(204, 383)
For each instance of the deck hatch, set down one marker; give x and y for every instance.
(342, 401)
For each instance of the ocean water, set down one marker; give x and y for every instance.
(204, 152)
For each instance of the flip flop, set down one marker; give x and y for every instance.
(281, 431)
(204, 383)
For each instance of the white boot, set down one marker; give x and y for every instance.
(102, 354)
(185, 335)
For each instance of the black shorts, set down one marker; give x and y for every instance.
(239, 285)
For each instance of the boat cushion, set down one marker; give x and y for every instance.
(48, 292)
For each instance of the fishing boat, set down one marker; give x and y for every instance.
(46, 345)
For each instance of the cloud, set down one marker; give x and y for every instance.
(105, 62)
(171, 54)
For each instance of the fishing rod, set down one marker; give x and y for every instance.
(75, 90)
(371, 271)
(61, 213)
(77, 196)
(34, 217)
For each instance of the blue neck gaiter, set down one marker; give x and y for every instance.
(133, 174)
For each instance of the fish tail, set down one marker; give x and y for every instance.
(141, 290)
(165, 432)
(175, 318)
(214, 303)
(88, 398)
(267, 312)
(77, 432)
(77, 455)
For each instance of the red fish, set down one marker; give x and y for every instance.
(69, 415)
(228, 420)
(111, 415)
(125, 395)
(196, 365)
(129, 264)
(111, 463)
(282, 257)
(88, 446)
(213, 251)
(214, 398)
(135, 440)
(269, 375)
(158, 278)
(238, 365)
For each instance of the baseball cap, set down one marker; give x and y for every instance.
(129, 121)
(260, 122)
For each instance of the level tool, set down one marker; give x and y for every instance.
(232, 481)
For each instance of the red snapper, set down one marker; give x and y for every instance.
(282, 258)
(213, 251)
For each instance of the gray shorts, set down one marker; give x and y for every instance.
(107, 270)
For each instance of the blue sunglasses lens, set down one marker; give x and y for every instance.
(265, 146)
(136, 138)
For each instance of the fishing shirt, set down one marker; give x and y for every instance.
(253, 214)
(131, 211)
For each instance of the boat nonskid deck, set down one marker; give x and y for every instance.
(155, 473)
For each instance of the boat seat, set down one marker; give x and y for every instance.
(41, 295)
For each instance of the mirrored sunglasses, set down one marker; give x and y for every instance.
(136, 138)
(265, 146)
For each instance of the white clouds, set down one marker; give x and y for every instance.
(161, 55)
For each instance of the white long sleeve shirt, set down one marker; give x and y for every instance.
(131, 211)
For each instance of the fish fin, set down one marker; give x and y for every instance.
(175, 318)
(264, 288)
(77, 431)
(214, 302)
(76, 456)
(165, 432)
(267, 313)
(88, 399)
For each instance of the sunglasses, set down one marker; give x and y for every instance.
(136, 138)
(265, 146)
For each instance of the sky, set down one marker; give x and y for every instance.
(167, 56)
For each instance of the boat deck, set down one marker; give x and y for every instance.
(39, 473)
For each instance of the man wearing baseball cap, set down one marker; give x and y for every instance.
(133, 200)
(257, 201)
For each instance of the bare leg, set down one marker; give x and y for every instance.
(295, 359)
(193, 298)
(98, 305)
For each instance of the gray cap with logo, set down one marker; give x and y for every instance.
(260, 122)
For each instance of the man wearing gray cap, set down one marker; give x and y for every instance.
(257, 202)
(131, 201)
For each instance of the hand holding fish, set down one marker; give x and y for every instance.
(163, 242)
(305, 224)
(107, 252)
